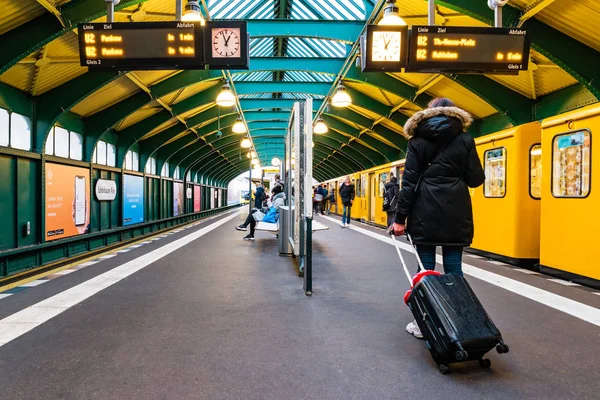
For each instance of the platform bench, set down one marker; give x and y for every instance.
(274, 227)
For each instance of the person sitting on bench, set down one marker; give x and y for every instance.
(277, 200)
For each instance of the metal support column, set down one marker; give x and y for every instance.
(250, 190)
(110, 10)
(179, 10)
(498, 17)
(431, 13)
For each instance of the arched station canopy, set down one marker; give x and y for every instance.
(299, 49)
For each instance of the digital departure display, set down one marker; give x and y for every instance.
(141, 46)
(468, 49)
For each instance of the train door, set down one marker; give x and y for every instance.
(363, 193)
(372, 196)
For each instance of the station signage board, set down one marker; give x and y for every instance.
(140, 46)
(468, 49)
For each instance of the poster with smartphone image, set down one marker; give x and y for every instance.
(67, 201)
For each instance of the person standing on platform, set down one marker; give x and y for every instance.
(434, 204)
(325, 194)
(347, 195)
(390, 199)
(278, 182)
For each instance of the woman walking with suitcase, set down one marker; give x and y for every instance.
(434, 204)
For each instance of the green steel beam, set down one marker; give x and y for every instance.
(339, 165)
(361, 163)
(344, 31)
(329, 66)
(54, 103)
(579, 60)
(255, 104)
(267, 115)
(315, 88)
(31, 36)
(258, 125)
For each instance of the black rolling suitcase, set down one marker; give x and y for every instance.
(454, 324)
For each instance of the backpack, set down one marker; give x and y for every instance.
(387, 201)
(271, 216)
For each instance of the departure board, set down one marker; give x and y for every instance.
(141, 46)
(468, 49)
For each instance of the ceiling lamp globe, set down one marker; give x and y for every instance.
(391, 16)
(341, 98)
(226, 98)
(246, 143)
(239, 126)
(192, 12)
(320, 127)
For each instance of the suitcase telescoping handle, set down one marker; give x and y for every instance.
(395, 242)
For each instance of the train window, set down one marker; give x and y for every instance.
(4, 127)
(535, 171)
(495, 172)
(364, 184)
(571, 164)
(400, 174)
(382, 181)
(358, 189)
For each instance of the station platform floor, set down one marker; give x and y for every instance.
(201, 314)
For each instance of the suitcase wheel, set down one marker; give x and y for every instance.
(444, 369)
(485, 363)
(461, 355)
(502, 348)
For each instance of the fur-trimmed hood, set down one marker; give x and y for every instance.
(413, 126)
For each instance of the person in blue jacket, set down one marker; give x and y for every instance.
(259, 197)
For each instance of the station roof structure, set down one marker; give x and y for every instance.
(299, 49)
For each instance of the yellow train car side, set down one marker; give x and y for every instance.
(570, 227)
(506, 209)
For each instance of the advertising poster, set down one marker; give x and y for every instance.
(177, 198)
(133, 199)
(67, 201)
(196, 198)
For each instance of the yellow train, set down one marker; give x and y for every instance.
(536, 209)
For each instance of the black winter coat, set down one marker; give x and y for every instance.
(439, 212)
(347, 193)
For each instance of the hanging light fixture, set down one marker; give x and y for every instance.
(320, 127)
(341, 98)
(254, 161)
(248, 155)
(391, 15)
(239, 126)
(246, 143)
(226, 98)
(276, 162)
(192, 12)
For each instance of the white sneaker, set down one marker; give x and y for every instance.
(414, 330)
(343, 225)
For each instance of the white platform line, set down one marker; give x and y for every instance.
(5, 295)
(560, 303)
(87, 264)
(497, 263)
(106, 257)
(34, 283)
(124, 251)
(526, 271)
(597, 293)
(563, 282)
(23, 321)
(64, 272)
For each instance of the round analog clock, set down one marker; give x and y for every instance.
(226, 43)
(386, 46)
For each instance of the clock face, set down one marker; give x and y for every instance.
(386, 46)
(226, 43)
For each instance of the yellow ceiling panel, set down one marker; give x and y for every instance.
(412, 79)
(53, 75)
(392, 125)
(18, 12)
(152, 10)
(196, 110)
(143, 113)
(463, 98)
(20, 76)
(192, 90)
(370, 91)
(65, 46)
(106, 96)
(576, 18)
(150, 78)
(364, 112)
